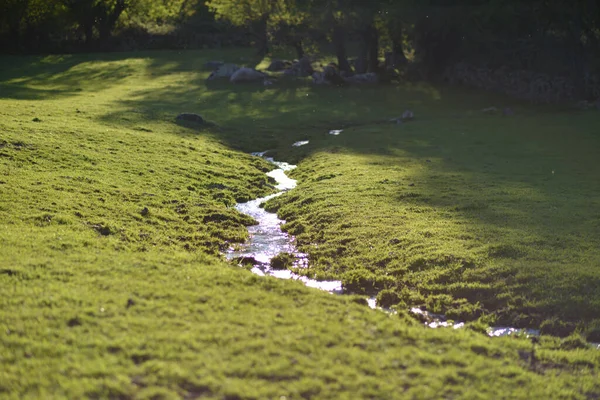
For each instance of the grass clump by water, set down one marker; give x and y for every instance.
(112, 217)
(283, 261)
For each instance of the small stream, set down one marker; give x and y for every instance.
(268, 240)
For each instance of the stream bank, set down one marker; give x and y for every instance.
(267, 240)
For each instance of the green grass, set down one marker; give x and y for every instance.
(468, 216)
(101, 299)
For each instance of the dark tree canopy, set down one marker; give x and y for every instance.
(544, 36)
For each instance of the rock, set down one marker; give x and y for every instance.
(490, 110)
(319, 78)
(362, 78)
(278, 65)
(586, 105)
(360, 66)
(189, 117)
(214, 65)
(225, 71)
(408, 116)
(246, 75)
(405, 117)
(300, 69)
(103, 230)
(329, 76)
(332, 74)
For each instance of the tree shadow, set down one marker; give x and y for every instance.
(43, 77)
(491, 173)
(169, 62)
(449, 128)
(255, 117)
(521, 192)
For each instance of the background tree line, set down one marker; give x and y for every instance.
(559, 38)
(42, 26)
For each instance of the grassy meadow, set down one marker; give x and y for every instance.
(113, 218)
(467, 214)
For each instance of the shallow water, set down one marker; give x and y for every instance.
(498, 331)
(267, 239)
(432, 320)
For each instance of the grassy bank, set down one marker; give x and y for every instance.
(466, 214)
(112, 217)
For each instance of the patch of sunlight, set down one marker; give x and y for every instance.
(55, 59)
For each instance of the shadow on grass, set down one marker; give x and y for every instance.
(44, 77)
(519, 182)
(532, 175)
(449, 125)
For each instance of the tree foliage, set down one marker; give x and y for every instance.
(542, 35)
(32, 24)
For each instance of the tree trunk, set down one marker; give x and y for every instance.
(109, 20)
(297, 44)
(14, 36)
(88, 30)
(578, 57)
(362, 61)
(398, 57)
(261, 33)
(15, 23)
(396, 33)
(339, 39)
(373, 46)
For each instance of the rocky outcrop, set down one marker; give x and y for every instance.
(523, 84)
(278, 65)
(247, 75)
(406, 116)
(300, 69)
(362, 78)
(319, 78)
(329, 76)
(225, 71)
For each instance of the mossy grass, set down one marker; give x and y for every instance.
(112, 218)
